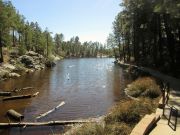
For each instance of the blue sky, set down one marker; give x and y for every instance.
(88, 19)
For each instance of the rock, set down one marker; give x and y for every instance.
(50, 63)
(14, 75)
(4, 73)
(9, 66)
(37, 67)
(12, 61)
(55, 58)
(31, 53)
(29, 71)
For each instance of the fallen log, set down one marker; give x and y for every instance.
(15, 115)
(17, 97)
(5, 93)
(50, 111)
(25, 88)
(50, 123)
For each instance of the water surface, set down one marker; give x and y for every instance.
(89, 88)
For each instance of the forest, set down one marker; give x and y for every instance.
(16, 33)
(147, 33)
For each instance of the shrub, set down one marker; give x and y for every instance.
(130, 112)
(90, 129)
(144, 86)
(123, 112)
(117, 129)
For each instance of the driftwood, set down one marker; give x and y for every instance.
(20, 97)
(50, 111)
(5, 93)
(25, 88)
(17, 97)
(50, 123)
(15, 115)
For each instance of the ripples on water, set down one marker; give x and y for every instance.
(88, 86)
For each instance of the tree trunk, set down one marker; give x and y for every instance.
(170, 40)
(1, 51)
(119, 47)
(14, 44)
(129, 52)
(156, 27)
(47, 46)
(160, 37)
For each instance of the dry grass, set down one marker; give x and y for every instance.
(144, 87)
(90, 129)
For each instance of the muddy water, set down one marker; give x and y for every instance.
(89, 88)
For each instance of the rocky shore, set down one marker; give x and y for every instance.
(28, 63)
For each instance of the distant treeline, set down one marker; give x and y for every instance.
(16, 32)
(147, 32)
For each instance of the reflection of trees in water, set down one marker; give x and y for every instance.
(119, 82)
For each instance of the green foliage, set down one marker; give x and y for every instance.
(29, 36)
(145, 87)
(148, 31)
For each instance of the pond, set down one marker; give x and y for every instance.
(88, 86)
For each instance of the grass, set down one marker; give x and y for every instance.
(144, 87)
(90, 129)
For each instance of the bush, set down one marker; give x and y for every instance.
(123, 112)
(146, 87)
(90, 129)
(117, 129)
(130, 112)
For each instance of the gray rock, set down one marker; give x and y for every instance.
(12, 61)
(31, 53)
(14, 75)
(4, 73)
(8, 66)
(50, 63)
